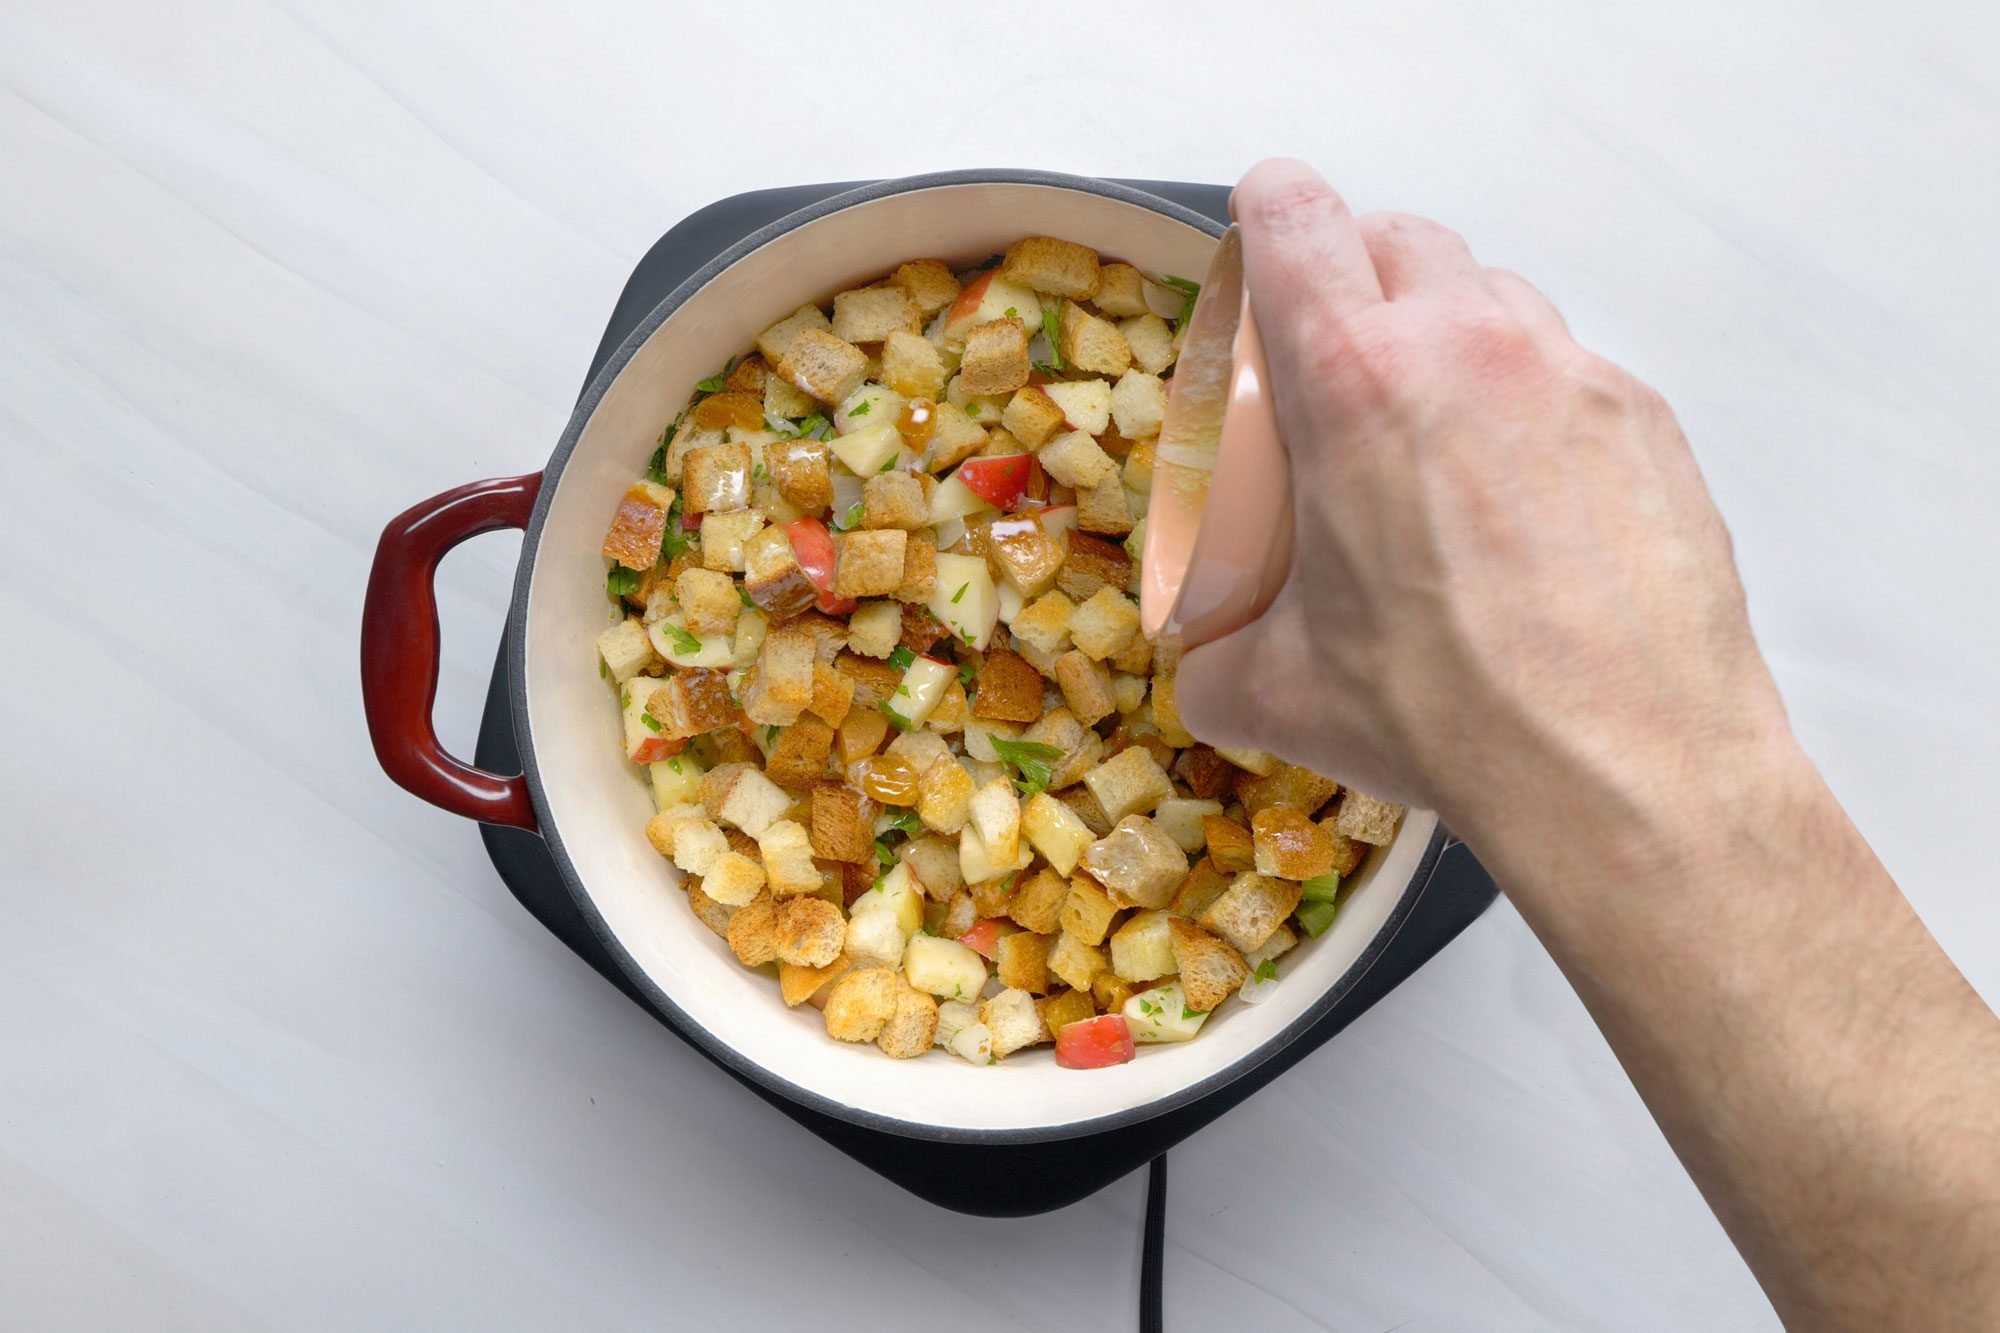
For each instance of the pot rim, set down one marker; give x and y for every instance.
(657, 996)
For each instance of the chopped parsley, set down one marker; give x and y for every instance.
(1012, 313)
(967, 673)
(674, 542)
(1148, 1008)
(867, 406)
(896, 719)
(684, 643)
(851, 520)
(903, 690)
(884, 855)
(902, 657)
(1051, 329)
(990, 263)
(621, 581)
(770, 734)
(743, 596)
(907, 822)
(814, 427)
(1007, 884)
(1267, 970)
(960, 593)
(603, 670)
(675, 764)
(1189, 1015)
(649, 722)
(1035, 761)
(1191, 290)
(713, 384)
(889, 463)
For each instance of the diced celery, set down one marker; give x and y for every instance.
(1321, 888)
(1315, 917)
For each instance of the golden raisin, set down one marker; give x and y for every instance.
(887, 778)
(917, 421)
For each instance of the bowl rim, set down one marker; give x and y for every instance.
(517, 639)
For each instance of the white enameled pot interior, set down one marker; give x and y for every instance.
(598, 804)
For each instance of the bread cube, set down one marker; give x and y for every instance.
(1250, 761)
(1012, 1021)
(912, 365)
(1286, 785)
(1074, 459)
(928, 283)
(1230, 845)
(1348, 853)
(870, 564)
(1128, 783)
(708, 600)
(954, 438)
(920, 575)
(661, 828)
(1062, 268)
(1111, 991)
(1021, 961)
(995, 360)
(733, 879)
(861, 1004)
(786, 850)
(1137, 863)
(709, 912)
(832, 694)
(911, 1026)
(875, 628)
(1031, 416)
(871, 314)
(843, 823)
(919, 749)
(751, 802)
(1085, 404)
(1054, 830)
(753, 932)
(1365, 819)
(957, 917)
(995, 812)
(1070, 1006)
(782, 684)
(1143, 948)
(1086, 687)
(798, 758)
(639, 526)
(1009, 691)
(797, 983)
(934, 860)
(1088, 912)
(1037, 902)
(1289, 845)
(626, 650)
(785, 401)
(873, 681)
(824, 366)
(894, 500)
(1104, 508)
(1121, 291)
(802, 473)
(1026, 556)
(1044, 622)
(1210, 970)
(1250, 909)
(773, 342)
(1084, 806)
(1105, 624)
(1206, 773)
(1180, 817)
(1092, 563)
(875, 939)
(1092, 344)
(810, 932)
(1138, 404)
(723, 537)
(1074, 962)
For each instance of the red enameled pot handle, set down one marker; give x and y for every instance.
(399, 649)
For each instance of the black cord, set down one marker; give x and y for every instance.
(1152, 1250)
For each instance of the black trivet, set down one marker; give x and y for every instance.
(992, 1181)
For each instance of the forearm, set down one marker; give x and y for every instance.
(1829, 1079)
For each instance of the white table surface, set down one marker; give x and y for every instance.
(279, 1049)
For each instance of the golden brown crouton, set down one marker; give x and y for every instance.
(1150, 341)
(944, 796)
(1229, 844)
(1104, 508)
(824, 366)
(875, 628)
(1022, 962)
(1137, 863)
(1013, 1021)
(1128, 783)
(951, 711)
(1075, 963)
(955, 438)
(1198, 892)
(934, 861)
(958, 916)
(871, 314)
(753, 932)
(1105, 624)
(716, 916)
(723, 537)
(843, 823)
(639, 526)
(1250, 909)
(1086, 687)
(1093, 563)
(797, 984)
(829, 635)
(1287, 784)
(1210, 970)
(772, 577)
(1092, 344)
(996, 357)
(1038, 902)
(716, 477)
(1088, 912)
(783, 684)
(921, 629)
(873, 681)
(992, 897)
(1121, 291)
(1075, 459)
(1143, 948)
(1207, 774)
(802, 473)
(869, 564)
(708, 600)
(919, 570)
(1031, 416)
(1348, 853)
(626, 650)
(809, 932)
(772, 342)
(832, 694)
(1289, 845)
(1046, 264)
(786, 850)
(798, 759)
(1082, 748)
(1083, 803)
(861, 1004)
(912, 366)
(786, 401)
(894, 500)
(929, 284)
(733, 879)
(1044, 622)
(911, 1026)
(1110, 991)
(748, 376)
(1009, 690)
(1166, 712)
(1365, 819)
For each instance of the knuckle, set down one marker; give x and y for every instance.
(1280, 196)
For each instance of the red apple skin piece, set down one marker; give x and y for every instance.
(1095, 1043)
(812, 547)
(962, 311)
(984, 937)
(655, 749)
(1000, 480)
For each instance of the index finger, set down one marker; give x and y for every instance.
(1303, 253)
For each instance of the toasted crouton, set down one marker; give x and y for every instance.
(697, 844)
(1084, 805)
(1137, 863)
(1348, 853)
(1062, 268)
(1138, 403)
(723, 537)
(832, 694)
(783, 683)
(873, 681)
(1365, 819)
(797, 983)
(958, 916)
(1013, 1021)
(749, 376)
(753, 932)
(1206, 773)
(1021, 961)
(1128, 783)
(1179, 817)
(716, 916)
(1053, 829)
(1025, 555)
(822, 365)
(1135, 658)
(810, 932)
(1092, 344)
(1150, 341)
(928, 283)
(788, 859)
(912, 365)
(1074, 459)
(716, 478)
(1093, 563)
(843, 823)
(1074, 962)
(1066, 1007)
(802, 472)
(919, 573)
(1086, 687)
(1031, 416)
(1009, 689)
(749, 801)
(869, 564)
(1088, 911)
(1250, 761)
(798, 759)
(1230, 845)
(951, 711)
(1038, 900)
(861, 1004)
(1198, 892)
(639, 526)
(875, 628)
(1044, 622)
(708, 600)
(1210, 970)
(1085, 404)
(1103, 508)
(911, 1025)
(1105, 624)
(661, 828)
(772, 577)
(1081, 747)
(995, 812)
(626, 650)
(785, 400)
(894, 500)
(1121, 291)
(1250, 909)
(1289, 845)
(871, 314)
(996, 357)
(1289, 785)
(773, 342)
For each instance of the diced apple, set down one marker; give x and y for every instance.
(1180, 819)
(954, 1017)
(1086, 404)
(989, 297)
(977, 863)
(1054, 830)
(953, 499)
(923, 684)
(943, 967)
(1162, 1014)
(674, 641)
(984, 937)
(1011, 602)
(897, 893)
(643, 743)
(875, 939)
(868, 405)
(964, 600)
(868, 448)
(1059, 521)
(973, 1044)
(676, 781)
